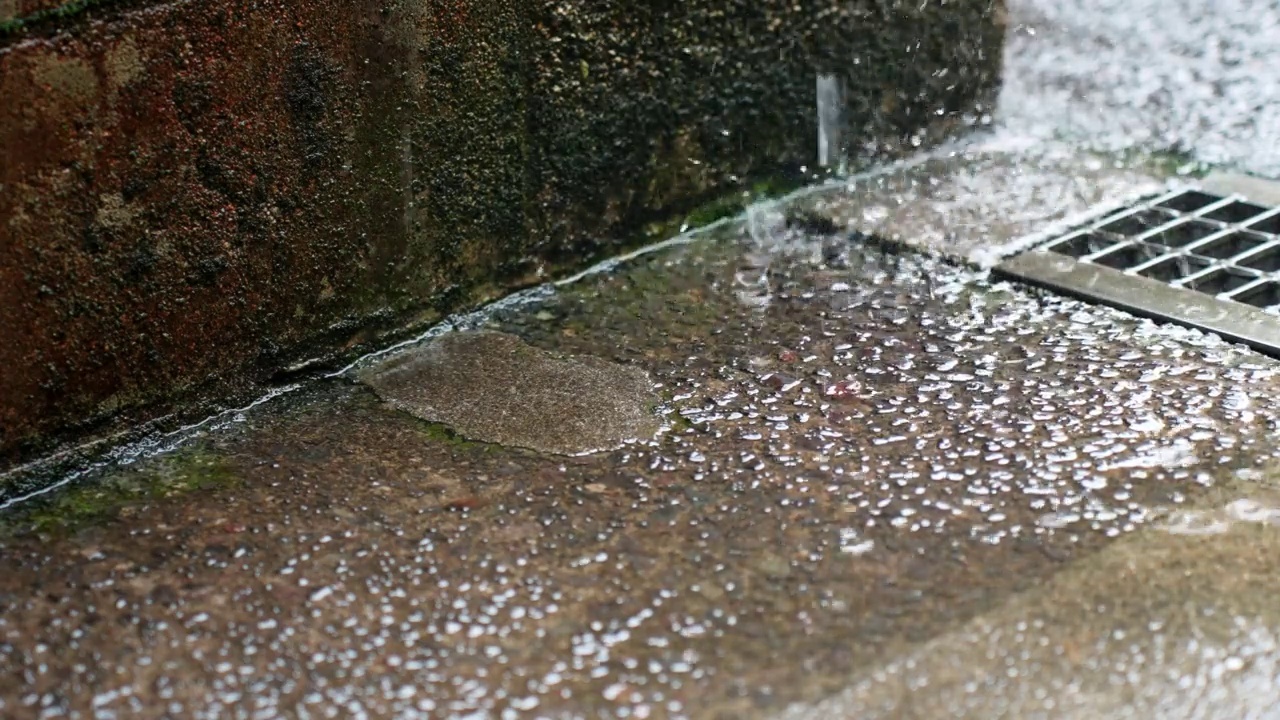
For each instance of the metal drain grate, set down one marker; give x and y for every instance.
(1188, 256)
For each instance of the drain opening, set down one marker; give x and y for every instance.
(1188, 256)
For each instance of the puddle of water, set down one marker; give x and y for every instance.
(859, 465)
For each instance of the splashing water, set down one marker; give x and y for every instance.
(832, 151)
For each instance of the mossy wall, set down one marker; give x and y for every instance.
(195, 197)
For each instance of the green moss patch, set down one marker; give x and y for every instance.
(103, 499)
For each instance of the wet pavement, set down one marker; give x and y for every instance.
(1194, 77)
(863, 455)
(978, 202)
(864, 482)
(1178, 622)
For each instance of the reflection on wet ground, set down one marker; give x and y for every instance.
(866, 457)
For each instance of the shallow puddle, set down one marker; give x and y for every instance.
(865, 451)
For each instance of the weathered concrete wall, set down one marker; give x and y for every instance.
(194, 195)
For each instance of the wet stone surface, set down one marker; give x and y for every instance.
(493, 387)
(1176, 623)
(1185, 75)
(978, 204)
(865, 452)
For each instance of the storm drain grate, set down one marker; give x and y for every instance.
(1187, 256)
